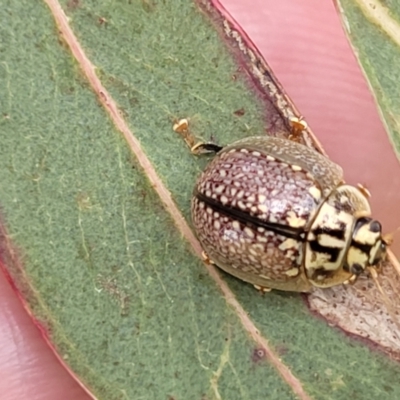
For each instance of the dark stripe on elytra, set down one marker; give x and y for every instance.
(336, 233)
(333, 252)
(247, 219)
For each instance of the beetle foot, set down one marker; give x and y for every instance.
(262, 289)
(207, 259)
(205, 148)
(298, 125)
(196, 147)
(364, 191)
(351, 281)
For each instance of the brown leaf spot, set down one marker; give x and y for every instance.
(240, 112)
(258, 355)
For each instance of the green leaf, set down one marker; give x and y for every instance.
(104, 269)
(373, 29)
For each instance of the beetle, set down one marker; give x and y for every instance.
(277, 214)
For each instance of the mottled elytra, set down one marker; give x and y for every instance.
(277, 214)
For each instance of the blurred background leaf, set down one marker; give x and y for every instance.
(373, 29)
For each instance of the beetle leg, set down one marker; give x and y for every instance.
(196, 147)
(207, 259)
(351, 281)
(205, 148)
(298, 125)
(262, 289)
(364, 191)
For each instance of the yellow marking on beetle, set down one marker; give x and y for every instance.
(232, 249)
(311, 177)
(274, 193)
(258, 247)
(295, 221)
(356, 256)
(365, 236)
(327, 240)
(272, 219)
(326, 192)
(330, 218)
(296, 167)
(315, 193)
(235, 225)
(292, 272)
(249, 232)
(241, 205)
(374, 251)
(320, 259)
(263, 208)
(219, 189)
(223, 199)
(311, 236)
(288, 244)
(344, 199)
(222, 173)
(314, 260)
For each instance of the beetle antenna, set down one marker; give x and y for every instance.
(389, 237)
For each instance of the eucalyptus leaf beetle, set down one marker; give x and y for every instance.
(278, 214)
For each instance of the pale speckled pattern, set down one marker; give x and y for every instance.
(266, 188)
(233, 245)
(324, 171)
(259, 185)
